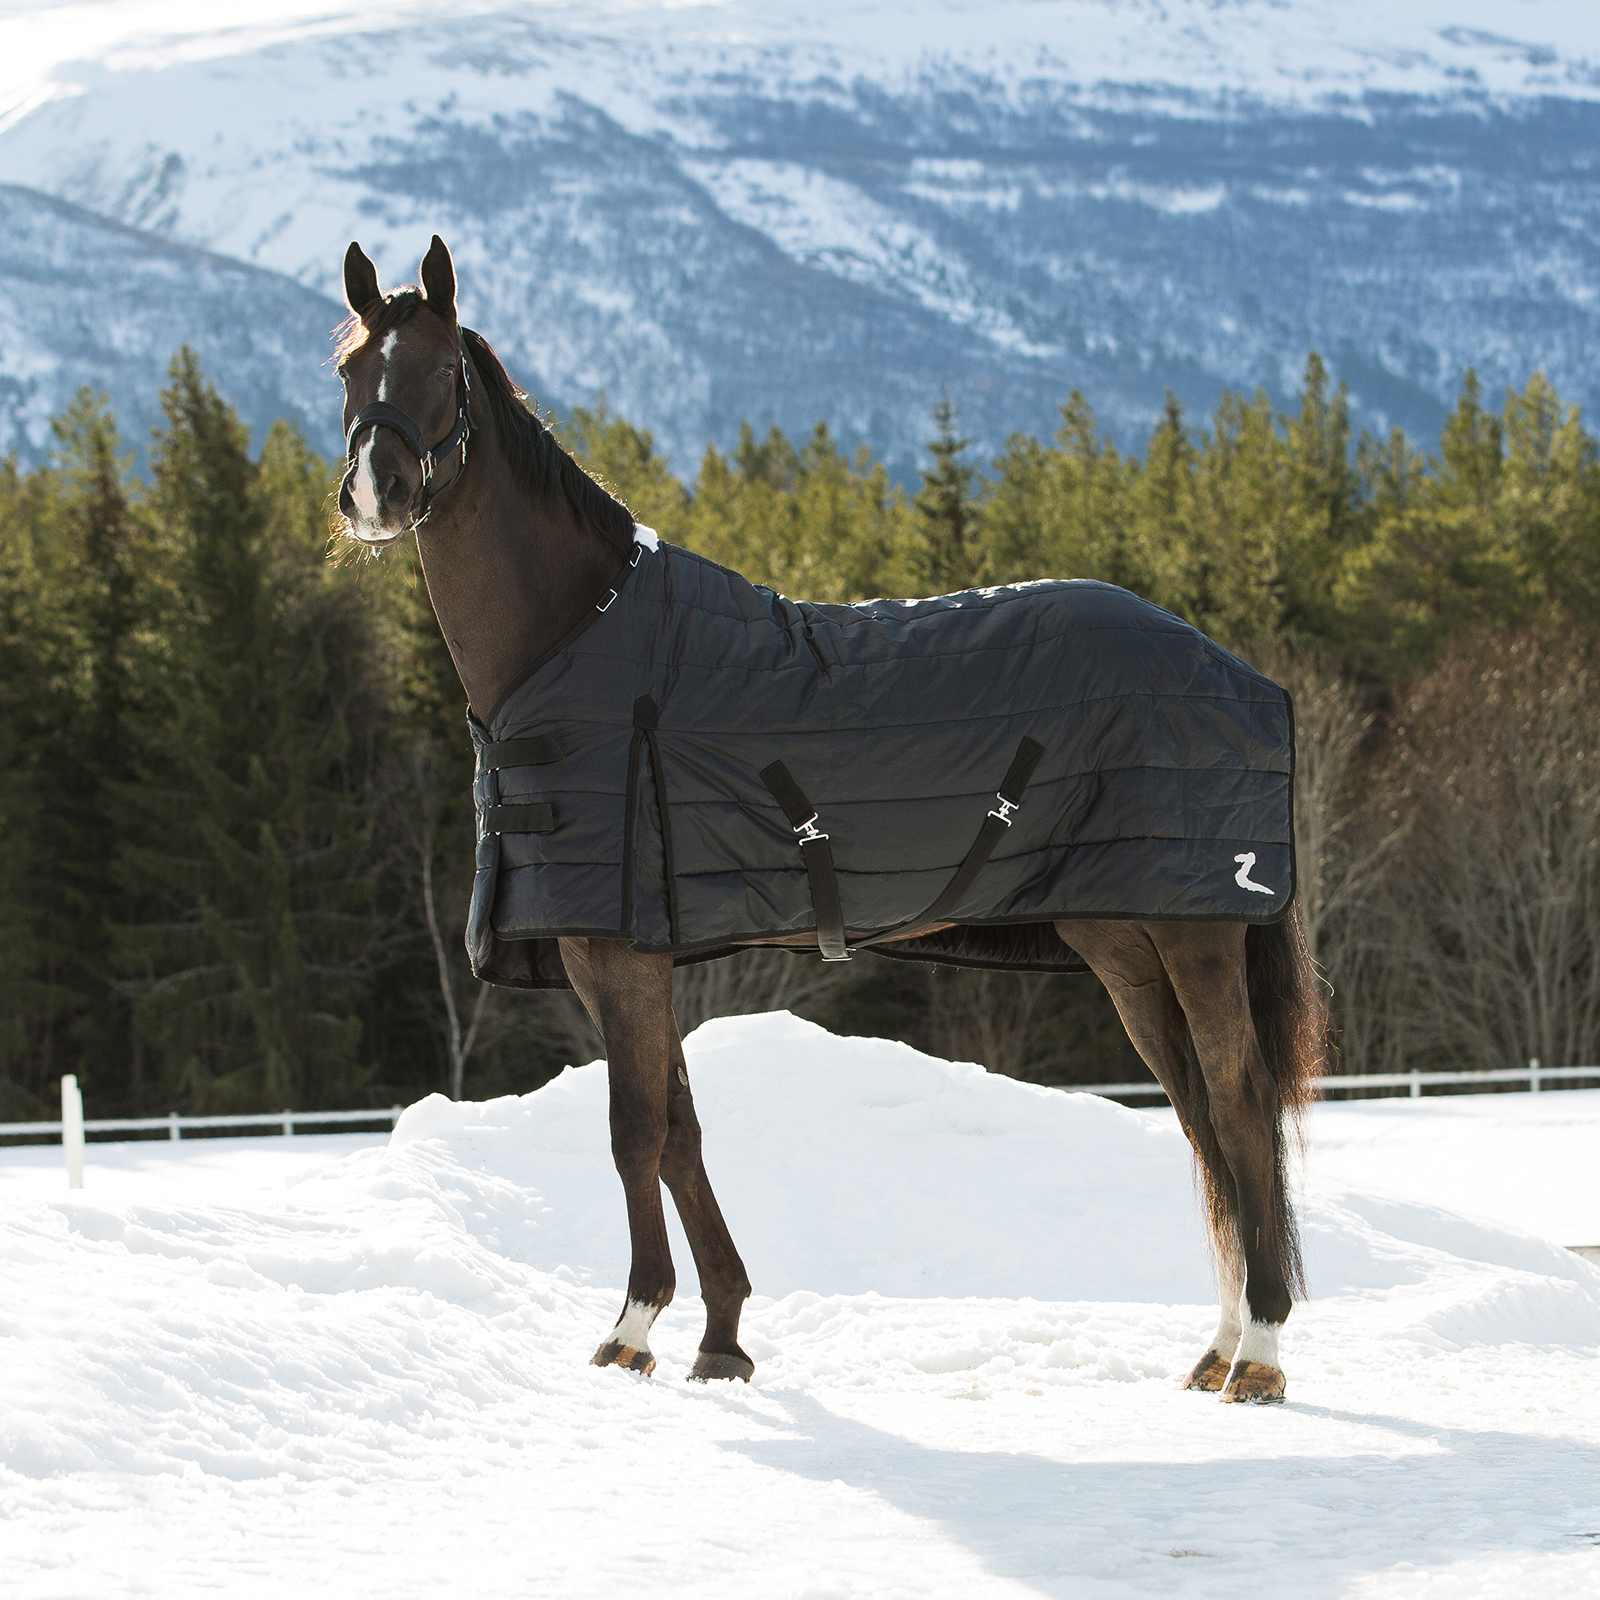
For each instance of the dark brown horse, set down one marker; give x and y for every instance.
(518, 544)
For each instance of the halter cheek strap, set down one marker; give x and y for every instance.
(380, 414)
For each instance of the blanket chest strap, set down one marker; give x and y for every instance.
(504, 753)
(818, 858)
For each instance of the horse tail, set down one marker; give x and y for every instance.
(1291, 1024)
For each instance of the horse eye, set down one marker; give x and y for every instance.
(447, 371)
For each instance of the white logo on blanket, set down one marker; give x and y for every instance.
(1242, 876)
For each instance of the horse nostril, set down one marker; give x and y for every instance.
(394, 491)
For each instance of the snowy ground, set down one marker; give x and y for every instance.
(976, 1302)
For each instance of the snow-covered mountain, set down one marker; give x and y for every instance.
(87, 302)
(718, 211)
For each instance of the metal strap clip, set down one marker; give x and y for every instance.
(807, 831)
(611, 594)
(1006, 808)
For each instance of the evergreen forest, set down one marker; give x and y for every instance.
(235, 807)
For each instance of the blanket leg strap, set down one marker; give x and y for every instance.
(818, 858)
(990, 834)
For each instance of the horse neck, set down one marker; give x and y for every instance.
(510, 571)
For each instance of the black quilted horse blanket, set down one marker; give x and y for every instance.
(650, 777)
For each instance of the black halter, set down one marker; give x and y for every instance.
(380, 414)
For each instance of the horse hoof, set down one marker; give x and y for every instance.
(1251, 1383)
(624, 1355)
(709, 1364)
(1210, 1373)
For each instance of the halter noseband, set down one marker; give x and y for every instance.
(380, 414)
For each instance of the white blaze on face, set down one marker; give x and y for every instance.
(364, 487)
(386, 349)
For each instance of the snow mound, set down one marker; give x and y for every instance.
(849, 1167)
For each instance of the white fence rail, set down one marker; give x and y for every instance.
(1535, 1076)
(282, 1121)
(285, 1122)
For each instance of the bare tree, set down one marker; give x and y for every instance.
(753, 981)
(1498, 920)
(1330, 727)
(1346, 839)
(986, 1017)
(558, 1018)
(418, 795)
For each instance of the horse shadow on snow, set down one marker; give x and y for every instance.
(1293, 1523)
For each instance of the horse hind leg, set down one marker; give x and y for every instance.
(1206, 964)
(1125, 959)
(724, 1285)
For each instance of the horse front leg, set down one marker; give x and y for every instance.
(629, 998)
(724, 1285)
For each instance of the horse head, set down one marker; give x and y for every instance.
(407, 396)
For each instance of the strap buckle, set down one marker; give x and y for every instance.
(1006, 808)
(605, 605)
(807, 831)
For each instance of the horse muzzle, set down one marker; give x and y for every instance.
(379, 493)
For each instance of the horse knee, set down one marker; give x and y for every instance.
(680, 1155)
(637, 1149)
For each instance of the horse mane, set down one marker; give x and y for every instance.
(536, 457)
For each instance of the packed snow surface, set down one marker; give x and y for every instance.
(976, 1302)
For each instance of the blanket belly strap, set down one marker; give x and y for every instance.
(519, 819)
(1009, 794)
(818, 857)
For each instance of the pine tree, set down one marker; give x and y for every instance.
(106, 582)
(34, 657)
(1242, 506)
(949, 511)
(1550, 522)
(624, 459)
(248, 971)
(1163, 516)
(1326, 520)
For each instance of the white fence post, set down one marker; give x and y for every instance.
(72, 1129)
(1416, 1085)
(288, 1125)
(172, 1126)
(1533, 1074)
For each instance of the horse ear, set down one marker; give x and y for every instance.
(439, 279)
(360, 280)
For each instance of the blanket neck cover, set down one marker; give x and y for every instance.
(619, 789)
